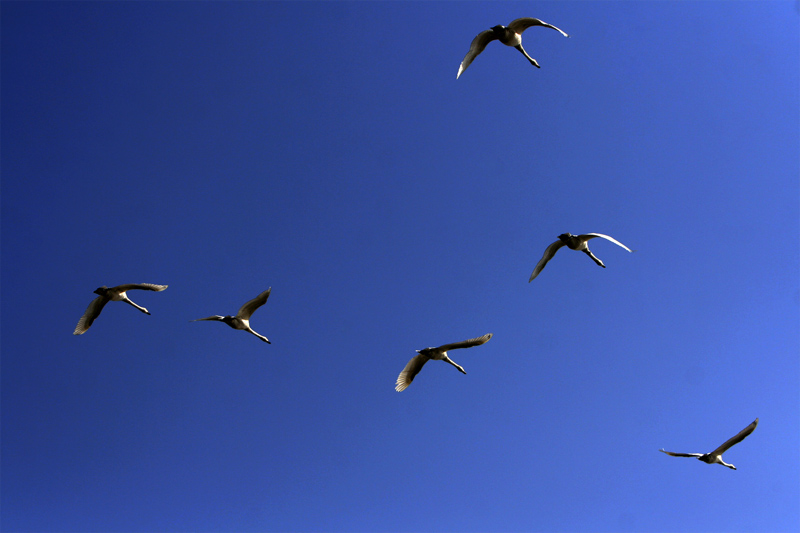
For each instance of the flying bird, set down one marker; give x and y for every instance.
(439, 354)
(116, 294)
(716, 455)
(510, 35)
(573, 242)
(242, 318)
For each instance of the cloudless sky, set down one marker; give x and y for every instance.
(326, 150)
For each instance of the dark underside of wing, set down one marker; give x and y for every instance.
(249, 308)
(477, 341)
(412, 369)
(736, 439)
(92, 312)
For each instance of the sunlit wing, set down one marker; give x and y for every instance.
(412, 369)
(548, 255)
(520, 25)
(739, 437)
(478, 45)
(674, 454)
(477, 341)
(92, 312)
(247, 309)
(588, 236)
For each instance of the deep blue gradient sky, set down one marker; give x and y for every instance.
(327, 150)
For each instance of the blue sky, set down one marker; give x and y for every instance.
(326, 150)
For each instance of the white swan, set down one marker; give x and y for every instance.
(439, 354)
(573, 242)
(116, 294)
(242, 318)
(510, 35)
(716, 455)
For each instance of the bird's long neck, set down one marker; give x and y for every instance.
(594, 257)
(723, 463)
(447, 359)
(139, 307)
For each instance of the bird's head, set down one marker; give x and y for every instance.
(499, 29)
(565, 236)
(101, 290)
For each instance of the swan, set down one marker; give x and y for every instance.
(573, 242)
(439, 354)
(510, 35)
(242, 318)
(716, 455)
(116, 294)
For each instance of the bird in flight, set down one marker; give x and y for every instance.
(573, 242)
(510, 35)
(116, 294)
(242, 318)
(716, 455)
(439, 354)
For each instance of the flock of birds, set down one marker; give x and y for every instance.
(510, 35)
(118, 294)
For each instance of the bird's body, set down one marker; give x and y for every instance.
(242, 319)
(437, 354)
(510, 35)
(573, 242)
(715, 457)
(112, 294)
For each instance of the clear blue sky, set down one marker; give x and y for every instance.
(327, 150)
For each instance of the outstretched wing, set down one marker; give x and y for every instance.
(478, 44)
(588, 236)
(548, 255)
(142, 286)
(92, 312)
(739, 437)
(520, 25)
(673, 454)
(412, 369)
(469, 343)
(212, 317)
(247, 309)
